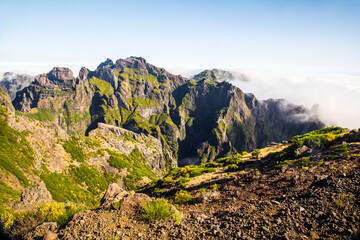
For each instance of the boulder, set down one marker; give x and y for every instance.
(302, 150)
(113, 194)
(43, 230)
(33, 196)
(132, 204)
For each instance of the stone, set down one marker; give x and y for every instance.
(41, 230)
(113, 194)
(302, 150)
(132, 204)
(50, 236)
(33, 196)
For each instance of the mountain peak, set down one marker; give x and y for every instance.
(218, 75)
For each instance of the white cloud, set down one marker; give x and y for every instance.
(337, 95)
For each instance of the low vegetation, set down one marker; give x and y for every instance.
(21, 222)
(157, 209)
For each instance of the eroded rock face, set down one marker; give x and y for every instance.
(45, 231)
(126, 141)
(113, 194)
(33, 196)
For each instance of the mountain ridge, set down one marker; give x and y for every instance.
(138, 96)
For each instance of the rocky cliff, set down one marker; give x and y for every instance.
(195, 121)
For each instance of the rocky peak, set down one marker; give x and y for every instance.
(83, 73)
(108, 63)
(131, 62)
(62, 74)
(58, 76)
(218, 75)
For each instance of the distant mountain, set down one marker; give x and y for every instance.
(15, 82)
(196, 121)
(218, 75)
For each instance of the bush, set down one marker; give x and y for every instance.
(157, 209)
(182, 196)
(233, 167)
(19, 223)
(255, 153)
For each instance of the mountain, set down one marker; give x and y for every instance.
(72, 144)
(15, 82)
(218, 75)
(196, 121)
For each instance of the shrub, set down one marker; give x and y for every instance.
(22, 222)
(233, 167)
(255, 153)
(302, 162)
(214, 187)
(71, 146)
(157, 209)
(182, 196)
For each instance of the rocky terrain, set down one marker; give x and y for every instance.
(264, 198)
(64, 141)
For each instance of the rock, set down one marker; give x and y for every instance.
(43, 229)
(301, 209)
(62, 74)
(33, 196)
(132, 204)
(50, 236)
(302, 150)
(113, 194)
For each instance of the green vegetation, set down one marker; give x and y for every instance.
(157, 209)
(182, 196)
(183, 174)
(343, 200)
(233, 167)
(23, 221)
(15, 152)
(102, 86)
(256, 153)
(40, 114)
(81, 184)
(315, 140)
(304, 161)
(8, 194)
(234, 159)
(342, 148)
(135, 165)
(72, 146)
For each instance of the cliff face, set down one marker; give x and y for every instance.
(72, 168)
(195, 121)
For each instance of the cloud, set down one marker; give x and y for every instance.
(334, 97)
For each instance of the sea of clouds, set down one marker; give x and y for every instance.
(335, 97)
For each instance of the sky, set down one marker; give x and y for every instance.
(307, 37)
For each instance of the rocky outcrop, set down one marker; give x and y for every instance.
(33, 196)
(44, 231)
(5, 100)
(125, 141)
(113, 194)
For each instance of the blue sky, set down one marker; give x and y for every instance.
(288, 36)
